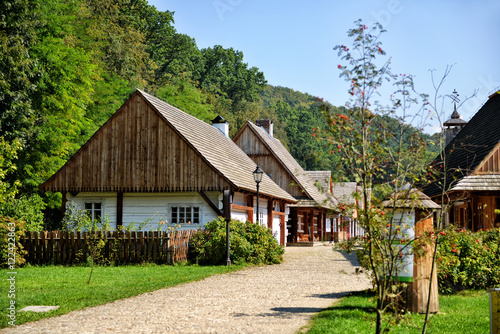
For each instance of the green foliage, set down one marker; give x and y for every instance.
(224, 72)
(468, 260)
(28, 209)
(8, 152)
(19, 21)
(376, 149)
(11, 251)
(250, 243)
(181, 92)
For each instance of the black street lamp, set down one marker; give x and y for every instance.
(257, 176)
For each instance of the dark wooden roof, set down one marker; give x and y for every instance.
(150, 146)
(469, 147)
(455, 119)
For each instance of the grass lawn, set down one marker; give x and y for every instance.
(68, 288)
(466, 312)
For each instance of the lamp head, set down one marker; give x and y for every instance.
(257, 174)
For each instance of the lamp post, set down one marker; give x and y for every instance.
(257, 176)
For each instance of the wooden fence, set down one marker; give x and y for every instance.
(63, 247)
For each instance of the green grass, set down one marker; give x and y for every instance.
(466, 312)
(68, 288)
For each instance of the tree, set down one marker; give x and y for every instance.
(441, 176)
(224, 72)
(19, 72)
(375, 150)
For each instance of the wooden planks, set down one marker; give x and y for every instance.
(137, 150)
(63, 247)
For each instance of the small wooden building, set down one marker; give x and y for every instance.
(469, 171)
(414, 213)
(308, 216)
(152, 162)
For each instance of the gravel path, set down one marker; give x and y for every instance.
(271, 299)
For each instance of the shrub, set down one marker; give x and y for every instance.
(468, 260)
(26, 208)
(250, 243)
(9, 229)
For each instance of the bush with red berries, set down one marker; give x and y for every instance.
(468, 260)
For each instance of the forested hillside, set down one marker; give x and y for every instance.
(66, 66)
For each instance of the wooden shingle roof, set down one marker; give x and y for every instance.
(300, 177)
(321, 178)
(221, 152)
(469, 148)
(343, 192)
(410, 199)
(481, 182)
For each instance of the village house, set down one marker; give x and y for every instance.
(152, 162)
(315, 204)
(468, 170)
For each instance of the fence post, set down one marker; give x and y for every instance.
(169, 249)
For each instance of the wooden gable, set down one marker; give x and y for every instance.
(490, 163)
(136, 150)
(251, 144)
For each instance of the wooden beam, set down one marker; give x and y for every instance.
(282, 224)
(310, 219)
(277, 213)
(64, 201)
(210, 203)
(270, 214)
(248, 209)
(119, 209)
(241, 207)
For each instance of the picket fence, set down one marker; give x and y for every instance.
(63, 247)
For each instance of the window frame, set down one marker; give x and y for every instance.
(188, 218)
(92, 211)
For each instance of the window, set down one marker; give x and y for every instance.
(185, 214)
(94, 210)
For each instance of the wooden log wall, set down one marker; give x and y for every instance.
(259, 153)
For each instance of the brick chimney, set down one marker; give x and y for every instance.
(266, 124)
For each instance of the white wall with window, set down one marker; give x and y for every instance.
(96, 205)
(146, 210)
(189, 210)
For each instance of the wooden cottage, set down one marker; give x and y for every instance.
(308, 217)
(152, 162)
(470, 174)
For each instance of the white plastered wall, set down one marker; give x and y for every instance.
(146, 210)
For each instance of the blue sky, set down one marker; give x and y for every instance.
(292, 41)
